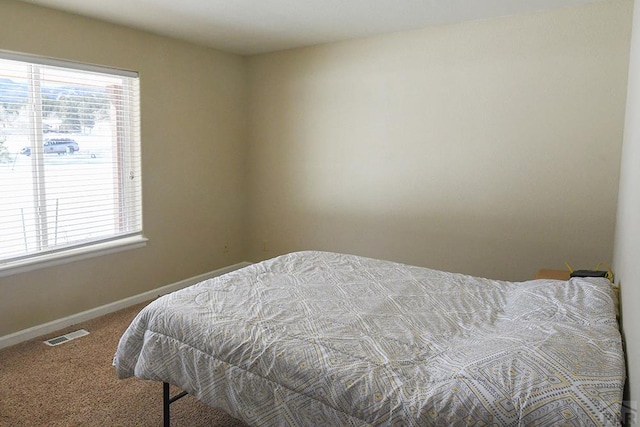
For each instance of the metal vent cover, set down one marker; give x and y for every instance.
(66, 337)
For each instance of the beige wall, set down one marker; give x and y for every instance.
(627, 241)
(490, 148)
(193, 134)
(475, 148)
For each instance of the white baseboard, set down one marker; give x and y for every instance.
(46, 328)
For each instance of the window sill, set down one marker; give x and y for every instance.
(72, 255)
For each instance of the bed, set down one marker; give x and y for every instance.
(319, 338)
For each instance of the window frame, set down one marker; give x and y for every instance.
(100, 246)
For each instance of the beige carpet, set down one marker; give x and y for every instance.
(74, 384)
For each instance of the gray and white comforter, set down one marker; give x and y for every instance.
(317, 338)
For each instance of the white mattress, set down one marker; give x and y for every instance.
(317, 338)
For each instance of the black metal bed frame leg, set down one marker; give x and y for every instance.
(168, 400)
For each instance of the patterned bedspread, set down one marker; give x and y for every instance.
(317, 338)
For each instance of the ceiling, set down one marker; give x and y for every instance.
(257, 26)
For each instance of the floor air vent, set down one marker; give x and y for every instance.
(66, 337)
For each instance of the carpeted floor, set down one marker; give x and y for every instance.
(74, 384)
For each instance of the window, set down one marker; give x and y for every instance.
(70, 181)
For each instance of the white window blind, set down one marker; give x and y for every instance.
(69, 158)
